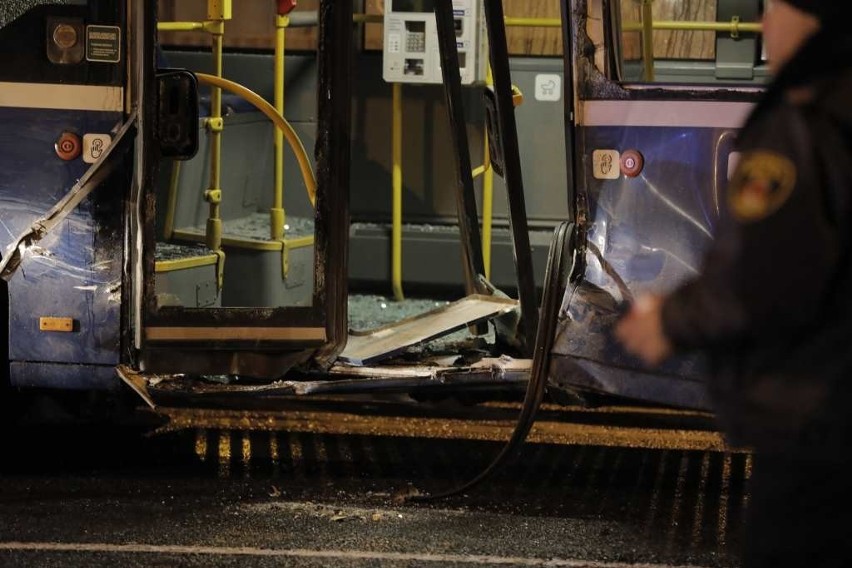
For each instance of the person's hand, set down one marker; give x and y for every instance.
(641, 331)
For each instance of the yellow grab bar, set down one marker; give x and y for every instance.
(533, 22)
(487, 193)
(277, 217)
(733, 27)
(647, 41)
(396, 230)
(181, 26)
(279, 121)
(215, 124)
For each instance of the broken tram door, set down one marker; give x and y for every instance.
(224, 296)
(216, 302)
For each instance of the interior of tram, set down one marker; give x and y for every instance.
(235, 226)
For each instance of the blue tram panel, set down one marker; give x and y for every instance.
(648, 225)
(58, 105)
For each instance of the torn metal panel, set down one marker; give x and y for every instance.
(641, 235)
(342, 379)
(92, 178)
(637, 235)
(575, 374)
(64, 244)
(389, 340)
(136, 382)
(503, 368)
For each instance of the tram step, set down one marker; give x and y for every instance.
(186, 391)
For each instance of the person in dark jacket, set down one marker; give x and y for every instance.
(772, 306)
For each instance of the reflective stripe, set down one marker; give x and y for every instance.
(694, 114)
(61, 97)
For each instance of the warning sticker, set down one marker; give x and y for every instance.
(103, 44)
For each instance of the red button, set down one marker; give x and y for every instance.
(286, 6)
(69, 146)
(632, 163)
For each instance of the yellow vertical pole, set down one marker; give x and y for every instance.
(487, 195)
(277, 217)
(648, 40)
(174, 181)
(396, 232)
(217, 12)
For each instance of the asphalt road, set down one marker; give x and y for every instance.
(90, 497)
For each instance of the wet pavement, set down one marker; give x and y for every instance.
(82, 497)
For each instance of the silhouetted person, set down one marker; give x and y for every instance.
(772, 307)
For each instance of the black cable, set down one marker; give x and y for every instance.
(554, 288)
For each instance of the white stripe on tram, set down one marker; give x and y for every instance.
(61, 97)
(685, 114)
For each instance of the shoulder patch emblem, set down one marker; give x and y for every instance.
(762, 183)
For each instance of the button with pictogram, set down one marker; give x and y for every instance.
(632, 163)
(68, 146)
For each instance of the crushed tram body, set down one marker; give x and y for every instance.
(146, 246)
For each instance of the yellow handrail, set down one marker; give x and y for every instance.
(487, 194)
(647, 41)
(396, 225)
(215, 124)
(181, 26)
(218, 12)
(277, 216)
(169, 223)
(279, 121)
(733, 27)
(533, 22)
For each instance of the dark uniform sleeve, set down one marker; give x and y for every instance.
(773, 261)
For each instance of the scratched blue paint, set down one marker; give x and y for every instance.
(649, 235)
(76, 271)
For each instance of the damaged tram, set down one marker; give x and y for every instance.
(132, 258)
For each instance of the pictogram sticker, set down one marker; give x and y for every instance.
(548, 87)
(606, 164)
(94, 146)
